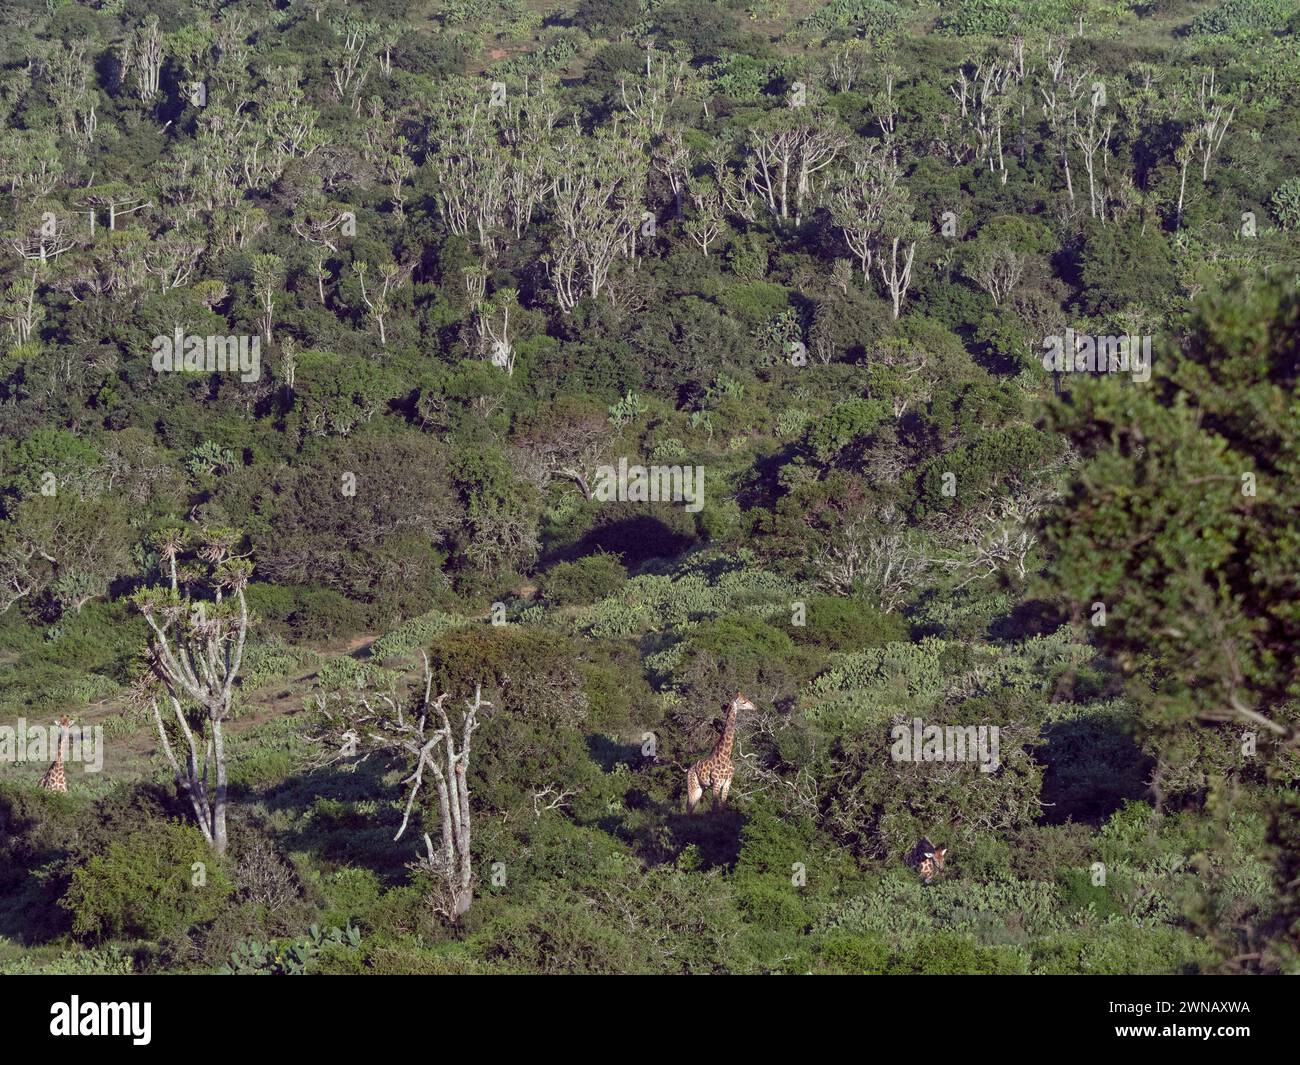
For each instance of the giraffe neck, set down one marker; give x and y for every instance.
(63, 745)
(728, 733)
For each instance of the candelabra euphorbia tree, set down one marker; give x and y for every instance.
(420, 730)
(199, 621)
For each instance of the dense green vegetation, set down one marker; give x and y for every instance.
(807, 259)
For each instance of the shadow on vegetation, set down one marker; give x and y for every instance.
(639, 537)
(349, 818)
(607, 752)
(715, 834)
(1091, 768)
(1031, 618)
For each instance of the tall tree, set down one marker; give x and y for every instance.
(1183, 529)
(199, 623)
(423, 732)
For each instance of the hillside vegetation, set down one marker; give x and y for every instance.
(819, 269)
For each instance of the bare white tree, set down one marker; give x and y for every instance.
(886, 565)
(1092, 136)
(451, 860)
(847, 64)
(492, 319)
(997, 269)
(392, 277)
(896, 273)
(597, 191)
(195, 652)
(423, 731)
(142, 55)
(788, 149)
(863, 198)
(1214, 122)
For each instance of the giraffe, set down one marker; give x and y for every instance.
(715, 770)
(927, 859)
(55, 778)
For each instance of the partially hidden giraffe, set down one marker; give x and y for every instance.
(927, 860)
(55, 778)
(715, 770)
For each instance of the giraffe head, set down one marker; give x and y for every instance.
(731, 711)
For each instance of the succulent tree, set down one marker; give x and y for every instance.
(419, 729)
(199, 623)
(268, 280)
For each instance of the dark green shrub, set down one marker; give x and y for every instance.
(742, 653)
(839, 624)
(156, 883)
(744, 643)
(880, 807)
(521, 668)
(1080, 893)
(322, 614)
(617, 695)
(856, 954)
(848, 422)
(559, 933)
(948, 954)
(584, 580)
(271, 603)
(608, 18)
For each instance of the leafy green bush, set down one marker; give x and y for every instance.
(988, 18)
(849, 421)
(1081, 893)
(584, 580)
(847, 952)
(266, 658)
(1285, 203)
(607, 17)
(322, 613)
(739, 652)
(616, 694)
(1233, 17)
(839, 624)
(947, 954)
(873, 19)
(521, 668)
(1123, 950)
(108, 961)
(156, 883)
(559, 934)
(412, 635)
(880, 807)
(743, 643)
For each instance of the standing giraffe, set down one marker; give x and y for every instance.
(716, 770)
(55, 778)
